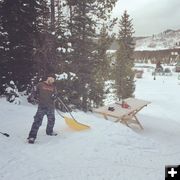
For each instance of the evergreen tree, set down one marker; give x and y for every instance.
(52, 44)
(102, 67)
(124, 75)
(62, 33)
(44, 51)
(84, 18)
(63, 53)
(37, 38)
(3, 56)
(82, 34)
(20, 20)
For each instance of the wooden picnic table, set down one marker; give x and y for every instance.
(124, 115)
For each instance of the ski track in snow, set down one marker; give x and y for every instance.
(108, 151)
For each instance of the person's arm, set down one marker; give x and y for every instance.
(36, 92)
(54, 94)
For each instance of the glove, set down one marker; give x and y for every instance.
(54, 96)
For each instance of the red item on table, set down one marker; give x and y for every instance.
(125, 105)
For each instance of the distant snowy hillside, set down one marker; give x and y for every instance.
(168, 39)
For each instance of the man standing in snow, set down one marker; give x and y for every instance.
(45, 92)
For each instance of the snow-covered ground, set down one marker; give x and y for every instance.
(108, 151)
(168, 39)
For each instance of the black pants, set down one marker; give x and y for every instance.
(43, 110)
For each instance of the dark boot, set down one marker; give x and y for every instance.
(31, 140)
(52, 134)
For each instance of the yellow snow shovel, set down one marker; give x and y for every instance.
(71, 122)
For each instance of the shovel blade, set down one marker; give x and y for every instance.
(73, 124)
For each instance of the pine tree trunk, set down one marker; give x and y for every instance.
(52, 16)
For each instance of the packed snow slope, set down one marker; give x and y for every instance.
(108, 151)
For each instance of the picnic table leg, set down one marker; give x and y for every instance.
(122, 120)
(126, 123)
(138, 121)
(134, 115)
(105, 116)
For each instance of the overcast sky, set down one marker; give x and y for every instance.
(150, 16)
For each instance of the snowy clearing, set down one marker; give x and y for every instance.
(108, 151)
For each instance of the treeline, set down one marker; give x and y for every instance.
(60, 36)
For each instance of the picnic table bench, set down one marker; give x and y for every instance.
(124, 115)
